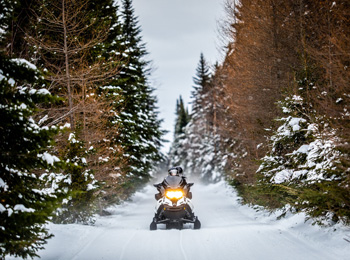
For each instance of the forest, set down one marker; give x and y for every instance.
(79, 121)
(273, 117)
(80, 127)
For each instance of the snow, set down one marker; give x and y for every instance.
(66, 125)
(282, 176)
(11, 81)
(229, 231)
(72, 139)
(2, 208)
(21, 207)
(303, 149)
(50, 159)
(91, 187)
(43, 91)
(42, 120)
(320, 156)
(24, 62)
(3, 185)
(294, 123)
(339, 100)
(297, 99)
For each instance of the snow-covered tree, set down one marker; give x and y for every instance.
(81, 185)
(305, 167)
(140, 134)
(201, 85)
(178, 153)
(198, 149)
(27, 203)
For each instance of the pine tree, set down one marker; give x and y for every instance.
(197, 149)
(140, 134)
(26, 202)
(182, 117)
(198, 133)
(305, 169)
(202, 84)
(177, 152)
(81, 184)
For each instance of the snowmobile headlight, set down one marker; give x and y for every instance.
(174, 194)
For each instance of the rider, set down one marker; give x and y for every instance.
(177, 171)
(173, 171)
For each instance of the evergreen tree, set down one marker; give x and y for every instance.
(304, 170)
(202, 84)
(197, 149)
(14, 23)
(182, 117)
(67, 41)
(140, 134)
(26, 202)
(178, 153)
(81, 184)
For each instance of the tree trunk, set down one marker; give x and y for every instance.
(70, 100)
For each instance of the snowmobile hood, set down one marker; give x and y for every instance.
(173, 182)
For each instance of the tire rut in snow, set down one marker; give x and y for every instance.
(76, 255)
(182, 248)
(121, 257)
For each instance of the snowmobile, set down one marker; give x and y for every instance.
(174, 206)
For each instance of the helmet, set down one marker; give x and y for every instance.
(177, 170)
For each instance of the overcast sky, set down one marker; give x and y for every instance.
(175, 33)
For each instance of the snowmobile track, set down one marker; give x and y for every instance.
(181, 246)
(122, 253)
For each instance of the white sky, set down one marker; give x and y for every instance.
(175, 33)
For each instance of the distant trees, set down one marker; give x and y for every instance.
(178, 151)
(182, 117)
(196, 141)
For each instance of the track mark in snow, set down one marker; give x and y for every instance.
(76, 256)
(121, 257)
(347, 239)
(182, 248)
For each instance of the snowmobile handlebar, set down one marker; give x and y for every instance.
(158, 185)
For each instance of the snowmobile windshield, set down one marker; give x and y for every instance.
(173, 182)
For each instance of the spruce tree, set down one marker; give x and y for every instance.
(304, 169)
(182, 117)
(178, 153)
(197, 148)
(202, 84)
(26, 202)
(199, 135)
(81, 184)
(140, 134)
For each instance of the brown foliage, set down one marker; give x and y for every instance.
(64, 39)
(267, 43)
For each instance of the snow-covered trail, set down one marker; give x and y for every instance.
(229, 231)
